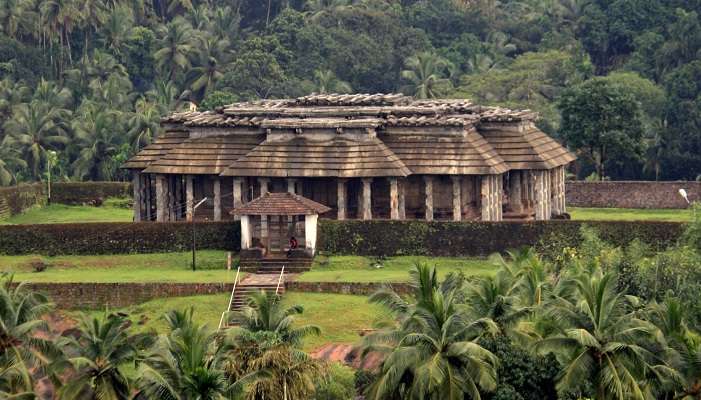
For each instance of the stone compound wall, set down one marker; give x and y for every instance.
(116, 295)
(357, 288)
(631, 194)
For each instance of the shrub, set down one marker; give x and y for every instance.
(338, 385)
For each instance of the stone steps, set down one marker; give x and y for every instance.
(274, 265)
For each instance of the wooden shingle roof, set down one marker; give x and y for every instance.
(206, 155)
(337, 157)
(451, 155)
(157, 149)
(281, 204)
(530, 149)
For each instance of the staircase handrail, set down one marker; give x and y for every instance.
(282, 272)
(231, 299)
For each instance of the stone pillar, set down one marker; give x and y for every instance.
(310, 231)
(245, 232)
(486, 197)
(367, 199)
(217, 199)
(189, 197)
(148, 198)
(457, 197)
(263, 182)
(515, 195)
(528, 189)
(161, 199)
(292, 185)
(237, 194)
(401, 201)
(499, 198)
(540, 192)
(341, 201)
(563, 189)
(264, 237)
(428, 196)
(393, 198)
(138, 201)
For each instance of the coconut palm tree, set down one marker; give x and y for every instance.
(184, 364)
(15, 17)
(35, 128)
(327, 82)
(98, 140)
(20, 349)
(265, 313)
(602, 340)
(209, 65)
(425, 74)
(144, 123)
(264, 367)
(177, 46)
(117, 27)
(433, 350)
(10, 162)
(98, 356)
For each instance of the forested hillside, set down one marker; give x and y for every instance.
(84, 82)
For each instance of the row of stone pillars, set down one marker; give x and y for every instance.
(542, 191)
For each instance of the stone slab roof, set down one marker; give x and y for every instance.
(157, 149)
(301, 157)
(206, 155)
(496, 141)
(456, 155)
(281, 204)
(530, 149)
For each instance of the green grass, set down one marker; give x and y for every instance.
(155, 267)
(628, 214)
(340, 316)
(59, 213)
(394, 269)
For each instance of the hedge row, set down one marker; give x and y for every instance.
(372, 238)
(72, 193)
(388, 238)
(117, 237)
(22, 197)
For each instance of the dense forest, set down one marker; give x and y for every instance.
(83, 83)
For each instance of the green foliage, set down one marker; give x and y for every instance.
(602, 121)
(339, 384)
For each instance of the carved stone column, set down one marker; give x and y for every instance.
(292, 185)
(428, 195)
(138, 201)
(341, 201)
(393, 198)
(217, 199)
(457, 197)
(486, 197)
(401, 200)
(367, 199)
(161, 199)
(189, 197)
(515, 195)
(263, 182)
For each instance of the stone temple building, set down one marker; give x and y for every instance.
(363, 156)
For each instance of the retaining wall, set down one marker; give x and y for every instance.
(357, 288)
(115, 295)
(630, 194)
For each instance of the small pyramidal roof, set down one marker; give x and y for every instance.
(281, 204)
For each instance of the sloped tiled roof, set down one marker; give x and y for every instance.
(301, 157)
(530, 149)
(157, 149)
(281, 204)
(206, 155)
(448, 155)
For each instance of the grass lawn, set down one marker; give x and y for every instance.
(155, 267)
(320, 309)
(59, 213)
(628, 214)
(394, 269)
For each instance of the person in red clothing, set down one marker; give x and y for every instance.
(293, 245)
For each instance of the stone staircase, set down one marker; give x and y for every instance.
(269, 283)
(274, 264)
(255, 283)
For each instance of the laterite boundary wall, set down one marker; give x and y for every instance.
(17, 199)
(371, 238)
(115, 295)
(630, 194)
